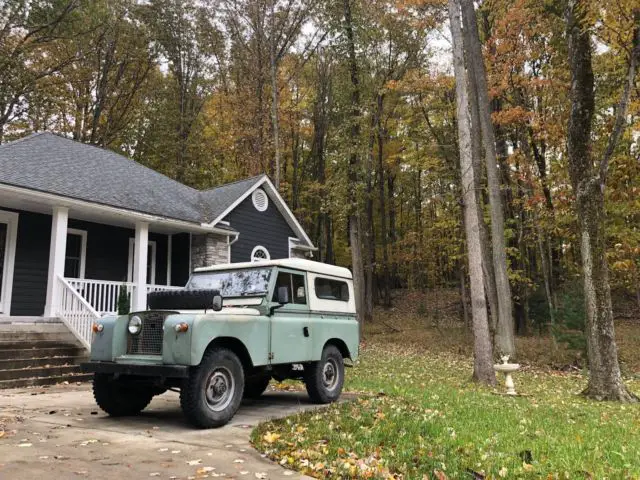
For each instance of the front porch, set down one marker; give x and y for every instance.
(71, 260)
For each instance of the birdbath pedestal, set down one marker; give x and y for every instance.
(507, 368)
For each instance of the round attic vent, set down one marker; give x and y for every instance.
(260, 253)
(260, 199)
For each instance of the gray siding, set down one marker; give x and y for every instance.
(31, 265)
(268, 228)
(180, 259)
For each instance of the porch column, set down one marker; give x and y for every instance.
(140, 251)
(57, 254)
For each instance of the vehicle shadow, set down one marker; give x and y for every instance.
(165, 413)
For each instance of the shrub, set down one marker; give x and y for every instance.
(570, 318)
(124, 301)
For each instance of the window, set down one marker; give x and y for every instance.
(295, 287)
(234, 283)
(75, 253)
(151, 261)
(260, 253)
(331, 289)
(260, 199)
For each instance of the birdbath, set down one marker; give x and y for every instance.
(507, 368)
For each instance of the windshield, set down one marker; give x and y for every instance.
(233, 283)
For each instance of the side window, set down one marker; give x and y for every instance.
(295, 286)
(299, 292)
(331, 289)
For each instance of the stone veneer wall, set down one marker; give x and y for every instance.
(208, 249)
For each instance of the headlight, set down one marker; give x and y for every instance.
(135, 325)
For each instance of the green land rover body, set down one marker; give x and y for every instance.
(226, 335)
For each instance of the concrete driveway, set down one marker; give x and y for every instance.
(60, 433)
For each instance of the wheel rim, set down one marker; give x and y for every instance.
(220, 388)
(330, 374)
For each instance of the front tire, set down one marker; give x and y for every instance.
(117, 398)
(212, 393)
(324, 379)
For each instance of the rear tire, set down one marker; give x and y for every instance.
(324, 379)
(117, 398)
(212, 393)
(255, 385)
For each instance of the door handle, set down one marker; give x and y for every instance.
(305, 331)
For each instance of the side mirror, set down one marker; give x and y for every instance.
(283, 295)
(217, 303)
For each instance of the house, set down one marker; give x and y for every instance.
(78, 223)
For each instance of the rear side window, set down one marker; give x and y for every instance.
(327, 289)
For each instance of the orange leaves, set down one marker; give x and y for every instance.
(511, 116)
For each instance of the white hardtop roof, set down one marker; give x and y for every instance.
(296, 263)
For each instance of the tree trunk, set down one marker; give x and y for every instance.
(483, 364)
(369, 230)
(504, 338)
(355, 235)
(546, 275)
(273, 60)
(386, 289)
(605, 380)
(485, 246)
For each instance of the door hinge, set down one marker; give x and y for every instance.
(271, 356)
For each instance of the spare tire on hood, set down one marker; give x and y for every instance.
(182, 299)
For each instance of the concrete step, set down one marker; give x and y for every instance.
(18, 320)
(26, 353)
(38, 381)
(14, 345)
(14, 364)
(30, 337)
(55, 371)
(33, 327)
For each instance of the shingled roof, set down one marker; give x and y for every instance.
(49, 163)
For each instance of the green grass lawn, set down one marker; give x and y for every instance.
(419, 417)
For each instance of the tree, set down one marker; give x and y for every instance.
(189, 40)
(589, 181)
(483, 356)
(504, 337)
(355, 232)
(27, 28)
(100, 94)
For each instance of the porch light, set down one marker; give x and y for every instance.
(135, 325)
(181, 327)
(97, 327)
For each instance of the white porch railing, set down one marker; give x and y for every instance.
(81, 302)
(103, 295)
(75, 312)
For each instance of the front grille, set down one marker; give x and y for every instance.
(149, 340)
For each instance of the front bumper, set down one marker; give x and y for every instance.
(167, 371)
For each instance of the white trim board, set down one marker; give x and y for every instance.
(83, 248)
(151, 259)
(11, 219)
